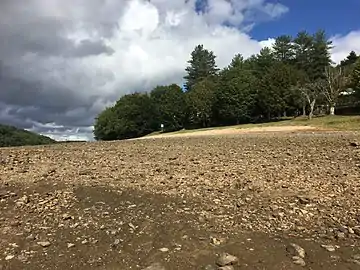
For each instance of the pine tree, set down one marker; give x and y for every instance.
(319, 56)
(202, 65)
(350, 59)
(283, 49)
(302, 47)
(235, 98)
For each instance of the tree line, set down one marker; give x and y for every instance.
(12, 136)
(289, 79)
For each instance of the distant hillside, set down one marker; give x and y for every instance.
(12, 136)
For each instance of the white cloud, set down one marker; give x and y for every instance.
(267, 43)
(144, 43)
(343, 45)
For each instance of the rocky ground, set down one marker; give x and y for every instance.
(250, 201)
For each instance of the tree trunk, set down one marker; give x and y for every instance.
(332, 109)
(304, 110)
(311, 113)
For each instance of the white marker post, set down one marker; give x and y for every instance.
(162, 127)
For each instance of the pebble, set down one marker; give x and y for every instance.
(209, 267)
(226, 259)
(329, 248)
(296, 250)
(298, 260)
(155, 266)
(44, 243)
(9, 257)
(215, 241)
(354, 143)
(340, 235)
(164, 249)
(30, 237)
(66, 216)
(70, 245)
(84, 242)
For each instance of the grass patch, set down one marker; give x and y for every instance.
(341, 123)
(351, 123)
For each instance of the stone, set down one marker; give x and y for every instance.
(66, 216)
(9, 257)
(209, 267)
(296, 250)
(329, 248)
(22, 258)
(30, 237)
(13, 245)
(24, 199)
(356, 257)
(340, 235)
(226, 259)
(214, 241)
(44, 244)
(164, 249)
(298, 260)
(155, 266)
(84, 242)
(357, 231)
(70, 245)
(354, 144)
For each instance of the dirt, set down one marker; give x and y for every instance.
(179, 203)
(232, 131)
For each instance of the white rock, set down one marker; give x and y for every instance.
(329, 248)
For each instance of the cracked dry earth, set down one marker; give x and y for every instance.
(250, 201)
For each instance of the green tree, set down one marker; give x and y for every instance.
(350, 59)
(200, 101)
(235, 95)
(107, 125)
(201, 65)
(275, 90)
(262, 62)
(302, 47)
(283, 49)
(170, 104)
(319, 56)
(12, 136)
(133, 115)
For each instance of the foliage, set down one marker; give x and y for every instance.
(133, 115)
(200, 101)
(350, 59)
(235, 96)
(12, 136)
(274, 90)
(201, 66)
(170, 105)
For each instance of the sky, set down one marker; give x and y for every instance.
(62, 62)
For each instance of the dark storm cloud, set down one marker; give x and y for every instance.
(39, 30)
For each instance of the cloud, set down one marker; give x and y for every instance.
(62, 62)
(343, 45)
